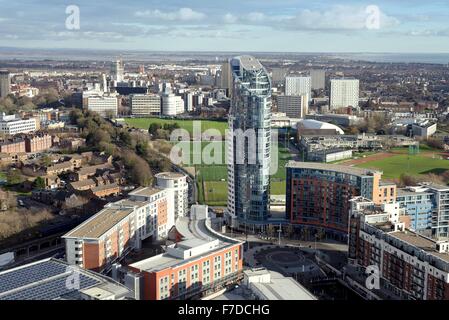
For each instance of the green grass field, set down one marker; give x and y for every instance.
(144, 123)
(394, 166)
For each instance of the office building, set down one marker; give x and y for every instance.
(424, 129)
(344, 93)
(410, 266)
(5, 83)
(178, 189)
(13, 124)
(298, 86)
(172, 105)
(278, 75)
(145, 105)
(52, 279)
(200, 263)
(249, 159)
(105, 106)
(120, 227)
(293, 106)
(317, 195)
(318, 79)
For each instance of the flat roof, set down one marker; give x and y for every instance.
(100, 223)
(331, 167)
(170, 175)
(195, 233)
(145, 191)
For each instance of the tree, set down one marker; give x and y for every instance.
(13, 177)
(39, 183)
(153, 128)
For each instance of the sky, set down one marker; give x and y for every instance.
(399, 26)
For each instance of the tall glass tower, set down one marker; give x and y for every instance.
(249, 144)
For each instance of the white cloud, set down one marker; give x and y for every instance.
(229, 18)
(183, 14)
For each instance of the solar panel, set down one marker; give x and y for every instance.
(29, 283)
(50, 290)
(30, 274)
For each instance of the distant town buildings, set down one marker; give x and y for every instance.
(344, 93)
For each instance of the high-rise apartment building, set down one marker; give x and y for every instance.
(298, 85)
(226, 77)
(5, 82)
(344, 93)
(175, 184)
(249, 144)
(118, 71)
(318, 79)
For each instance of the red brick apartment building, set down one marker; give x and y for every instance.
(411, 266)
(118, 228)
(318, 194)
(203, 262)
(38, 143)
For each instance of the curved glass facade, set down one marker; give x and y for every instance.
(249, 143)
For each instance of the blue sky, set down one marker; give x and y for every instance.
(230, 25)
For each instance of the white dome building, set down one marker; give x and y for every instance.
(308, 124)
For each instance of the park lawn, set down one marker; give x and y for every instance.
(216, 193)
(277, 187)
(144, 123)
(393, 167)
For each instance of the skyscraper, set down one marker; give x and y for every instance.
(4, 83)
(249, 144)
(297, 86)
(226, 77)
(318, 79)
(344, 93)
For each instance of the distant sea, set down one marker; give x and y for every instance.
(434, 58)
(7, 53)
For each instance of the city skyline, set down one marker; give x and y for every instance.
(288, 25)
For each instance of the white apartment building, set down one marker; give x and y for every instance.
(293, 106)
(103, 105)
(176, 186)
(12, 124)
(297, 86)
(344, 93)
(145, 105)
(172, 105)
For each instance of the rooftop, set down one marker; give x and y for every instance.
(47, 280)
(100, 223)
(145, 191)
(169, 175)
(332, 167)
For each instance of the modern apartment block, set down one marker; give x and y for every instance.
(344, 93)
(249, 144)
(202, 262)
(298, 86)
(419, 205)
(172, 104)
(410, 265)
(145, 105)
(118, 228)
(176, 185)
(318, 195)
(318, 79)
(293, 106)
(13, 124)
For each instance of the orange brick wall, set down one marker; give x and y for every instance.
(162, 212)
(93, 255)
